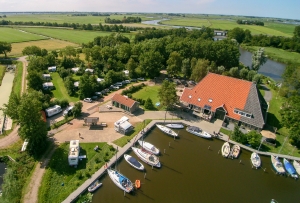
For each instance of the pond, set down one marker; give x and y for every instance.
(193, 170)
(271, 68)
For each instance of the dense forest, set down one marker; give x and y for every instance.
(250, 22)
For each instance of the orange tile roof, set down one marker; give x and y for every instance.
(221, 90)
(123, 100)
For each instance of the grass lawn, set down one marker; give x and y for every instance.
(75, 36)
(262, 91)
(2, 73)
(60, 91)
(279, 54)
(50, 44)
(12, 35)
(148, 92)
(225, 131)
(18, 79)
(59, 172)
(137, 128)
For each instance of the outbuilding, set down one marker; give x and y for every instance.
(123, 126)
(74, 151)
(125, 103)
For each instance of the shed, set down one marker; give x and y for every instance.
(91, 120)
(125, 103)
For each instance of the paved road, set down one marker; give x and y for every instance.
(268, 93)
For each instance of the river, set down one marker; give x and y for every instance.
(191, 172)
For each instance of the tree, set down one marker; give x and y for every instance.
(5, 48)
(69, 84)
(244, 73)
(254, 139)
(149, 104)
(238, 136)
(32, 50)
(174, 63)
(167, 95)
(77, 109)
(186, 67)
(238, 34)
(200, 70)
(35, 80)
(297, 32)
(257, 78)
(290, 113)
(258, 59)
(131, 67)
(234, 72)
(151, 62)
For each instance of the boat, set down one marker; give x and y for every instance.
(146, 157)
(235, 151)
(225, 149)
(198, 132)
(167, 130)
(94, 186)
(133, 162)
(149, 147)
(296, 165)
(255, 160)
(120, 180)
(137, 184)
(175, 125)
(290, 169)
(277, 165)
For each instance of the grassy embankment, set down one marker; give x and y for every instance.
(11, 35)
(60, 91)
(2, 73)
(223, 24)
(60, 180)
(137, 128)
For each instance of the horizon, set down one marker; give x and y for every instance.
(287, 9)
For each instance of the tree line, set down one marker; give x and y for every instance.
(250, 22)
(124, 20)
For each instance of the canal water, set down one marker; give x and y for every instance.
(193, 171)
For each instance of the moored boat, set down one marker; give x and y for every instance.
(198, 132)
(146, 157)
(167, 130)
(149, 147)
(120, 180)
(94, 186)
(225, 149)
(277, 165)
(290, 169)
(133, 162)
(296, 165)
(255, 160)
(175, 125)
(137, 184)
(235, 151)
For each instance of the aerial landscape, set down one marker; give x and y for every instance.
(149, 101)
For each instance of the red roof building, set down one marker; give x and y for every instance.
(125, 103)
(228, 99)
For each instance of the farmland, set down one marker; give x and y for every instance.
(51, 44)
(75, 36)
(13, 35)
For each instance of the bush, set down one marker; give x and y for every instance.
(149, 104)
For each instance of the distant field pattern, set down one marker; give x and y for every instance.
(14, 35)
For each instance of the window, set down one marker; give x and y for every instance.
(236, 111)
(242, 113)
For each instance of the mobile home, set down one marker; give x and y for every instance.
(51, 111)
(74, 150)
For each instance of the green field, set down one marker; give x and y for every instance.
(75, 36)
(60, 91)
(228, 24)
(18, 79)
(279, 54)
(59, 172)
(14, 35)
(148, 92)
(2, 73)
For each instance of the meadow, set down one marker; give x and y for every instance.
(148, 92)
(75, 36)
(12, 35)
(50, 44)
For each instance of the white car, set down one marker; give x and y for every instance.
(89, 100)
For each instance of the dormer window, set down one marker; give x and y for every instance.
(190, 96)
(242, 113)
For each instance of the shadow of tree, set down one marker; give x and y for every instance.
(273, 121)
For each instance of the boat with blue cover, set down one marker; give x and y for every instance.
(290, 168)
(133, 162)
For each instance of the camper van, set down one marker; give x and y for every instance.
(74, 151)
(68, 110)
(51, 111)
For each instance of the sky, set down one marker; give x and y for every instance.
(263, 8)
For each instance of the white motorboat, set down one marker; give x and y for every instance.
(198, 132)
(235, 151)
(149, 147)
(94, 186)
(296, 165)
(146, 157)
(255, 160)
(175, 125)
(225, 149)
(167, 130)
(277, 165)
(120, 180)
(133, 162)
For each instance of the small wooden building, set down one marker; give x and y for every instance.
(91, 120)
(125, 103)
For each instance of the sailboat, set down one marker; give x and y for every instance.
(290, 169)
(119, 179)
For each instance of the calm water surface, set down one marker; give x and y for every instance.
(193, 173)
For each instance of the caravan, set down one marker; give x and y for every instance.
(51, 111)
(74, 150)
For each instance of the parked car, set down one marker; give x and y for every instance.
(89, 100)
(118, 84)
(68, 110)
(127, 81)
(141, 79)
(192, 82)
(133, 80)
(103, 92)
(98, 93)
(112, 87)
(107, 90)
(94, 97)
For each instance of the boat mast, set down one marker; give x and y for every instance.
(116, 159)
